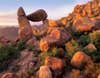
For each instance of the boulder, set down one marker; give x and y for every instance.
(90, 48)
(83, 24)
(54, 63)
(79, 59)
(39, 15)
(56, 36)
(33, 43)
(45, 72)
(44, 46)
(4, 40)
(97, 25)
(99, 76)
(25, 30)
(9, 75)
(52, 23)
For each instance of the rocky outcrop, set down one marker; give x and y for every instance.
(54, 63)
(4, 40)
(84, 17)
(9, 75)
(25, 30)
(45, 72)
(56, 36)
(79, 59)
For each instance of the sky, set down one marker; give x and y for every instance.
(55, 8)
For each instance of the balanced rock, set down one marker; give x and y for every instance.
(45, 72)
(39, 15)
(56, 36)
(79, 59)
(25, 30)
(9, 75)
(54, 63)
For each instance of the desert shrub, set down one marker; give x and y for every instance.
(77, 34)
(21, 45)
(72, 47)
(95, 39)
(91, 70)
(31, 71)
(55, 52)
(84, 40)
(7, 53)
(97, 42)
(95, 56)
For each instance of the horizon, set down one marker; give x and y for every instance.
(55, 9)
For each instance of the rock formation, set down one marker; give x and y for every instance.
(9, 75)
(54, 63)
(79, 59)
(56, 36)
(45, 72)
(25, 30)
(39, 15)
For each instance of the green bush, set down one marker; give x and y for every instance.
(72, 47)
(21, 45)
(84, 40)
(54, 52)
(7, 54)
(97, 42)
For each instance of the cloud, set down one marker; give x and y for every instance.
(8, 18)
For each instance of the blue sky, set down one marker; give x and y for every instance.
(55, 8)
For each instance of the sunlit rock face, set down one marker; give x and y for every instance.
(79, 59)
(45, 72)
(9, 75)
(55, 36)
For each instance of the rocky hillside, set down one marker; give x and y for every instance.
(10, 32)
(65, 48)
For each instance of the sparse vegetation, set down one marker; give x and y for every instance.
(7, 53)
(84, 40)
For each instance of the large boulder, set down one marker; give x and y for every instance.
(39, 15)
(56, 36)
(54, 63)
(79, 59)
(98, 76)
(25, 30)
(9, 75)
(33, 43)
(45, 72)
